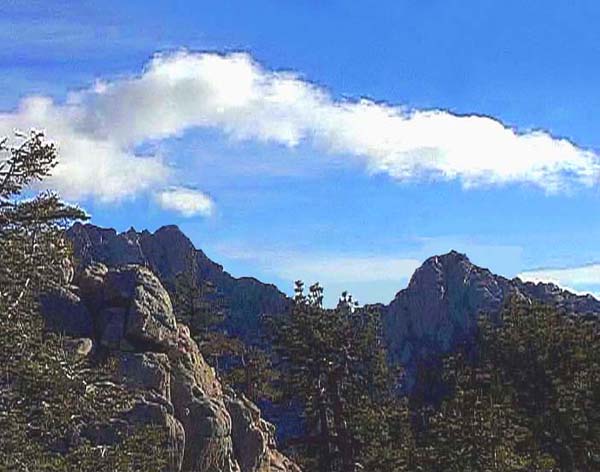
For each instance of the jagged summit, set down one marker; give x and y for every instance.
(167, 252)
(444, 298)
(438, 308)
(440, 265)
(174, 228)
(453, 254)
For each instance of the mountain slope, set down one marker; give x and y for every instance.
(166, 252)
(444, 298)
(438, 309)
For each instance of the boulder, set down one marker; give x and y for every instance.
(150, 318)
(254, 438)
(250, 438)
(148, 371)
(90, 280)
(128, 313)
(134, 300)
(78, 348)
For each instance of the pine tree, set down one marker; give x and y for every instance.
(196, 301)
(334, 364)
(526, 398)
(46, 392)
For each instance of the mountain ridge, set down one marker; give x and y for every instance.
(438, 308)
(166, 251)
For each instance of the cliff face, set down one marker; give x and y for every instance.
(166, 253)
(124, 313)
(444, 298)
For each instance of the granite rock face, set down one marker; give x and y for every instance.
(445, 297)
(253, 438)
(166, 252)
(125, 313)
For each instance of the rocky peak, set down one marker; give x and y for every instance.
(167, 252)
(445, 296)
(437, 272)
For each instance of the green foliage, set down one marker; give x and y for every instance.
(528, 400)
(252, 372)
(33, 254)
(334, 364)
(47, 392)
(49, 395)
(195, 301)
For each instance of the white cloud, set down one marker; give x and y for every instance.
(566, 277)
(187, 202)
(88, 166)
(232, 93)
(99, 128)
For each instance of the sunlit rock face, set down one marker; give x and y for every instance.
(127, 317)
(444, 299)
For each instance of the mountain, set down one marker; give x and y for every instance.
(444, 298)
(166, 253)
(437, 310)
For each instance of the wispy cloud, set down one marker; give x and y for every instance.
(324, 267)
(348, 269)
(98, 129)
(185, 201)
(585, 275)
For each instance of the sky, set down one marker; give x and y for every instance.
(326, 141)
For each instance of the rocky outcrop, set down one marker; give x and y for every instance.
(444, 299)
(166, 252)
(253, 438)
(125, 313)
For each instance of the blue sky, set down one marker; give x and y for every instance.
(363, 149)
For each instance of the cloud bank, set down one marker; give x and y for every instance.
(99, 129)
